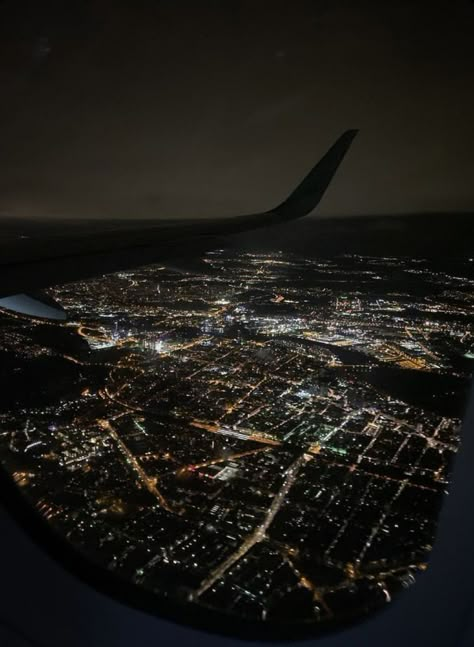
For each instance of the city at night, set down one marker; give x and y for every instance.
(236, 323)
(271, 437)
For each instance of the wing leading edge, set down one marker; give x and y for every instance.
(29, 266)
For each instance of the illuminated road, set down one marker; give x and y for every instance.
(223, 459)
(215, 428)
(149, 483)
(423, 346)
(259, 533)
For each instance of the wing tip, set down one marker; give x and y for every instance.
(309, 192)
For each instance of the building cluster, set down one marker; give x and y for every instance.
(272, 439)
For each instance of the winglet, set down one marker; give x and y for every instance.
(308, 194)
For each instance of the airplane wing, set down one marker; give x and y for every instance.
(28, 265)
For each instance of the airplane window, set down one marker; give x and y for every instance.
(236, 299)
(268, 438)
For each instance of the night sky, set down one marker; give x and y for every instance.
(192, 108)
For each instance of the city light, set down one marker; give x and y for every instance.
(273, 440)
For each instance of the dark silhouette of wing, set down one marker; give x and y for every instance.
(28, 265)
